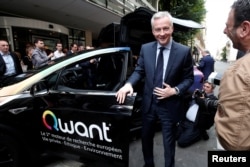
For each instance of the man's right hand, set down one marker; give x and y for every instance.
(127, 89)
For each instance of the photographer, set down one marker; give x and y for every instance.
(210, 104)
(191, 131)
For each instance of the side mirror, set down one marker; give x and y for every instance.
(39, 89)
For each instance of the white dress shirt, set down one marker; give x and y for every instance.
(57, 54)
(9, 63)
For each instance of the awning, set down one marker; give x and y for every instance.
(187, 23)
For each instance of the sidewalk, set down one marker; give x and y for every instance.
(193, 156)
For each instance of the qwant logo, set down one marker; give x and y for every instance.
(48, 112)
(72, 127)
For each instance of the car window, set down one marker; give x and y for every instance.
(99, 73)
(52, 79)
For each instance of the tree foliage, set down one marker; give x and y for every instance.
(185, 9)
(224, 54)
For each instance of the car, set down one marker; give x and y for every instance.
(55, 110)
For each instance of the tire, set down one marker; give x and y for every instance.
(10, 152)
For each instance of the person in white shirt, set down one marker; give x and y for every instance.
(58, 53)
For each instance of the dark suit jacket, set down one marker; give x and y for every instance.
(70, 52)
(206, 65)
(179, 73)
(16, 61)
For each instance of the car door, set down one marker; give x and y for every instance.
(82, 116)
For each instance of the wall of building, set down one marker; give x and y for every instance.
(88, 38)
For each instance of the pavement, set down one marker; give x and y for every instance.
(192, 156)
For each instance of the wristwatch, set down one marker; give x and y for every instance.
(177, 90)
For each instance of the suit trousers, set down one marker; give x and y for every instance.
(169, 130)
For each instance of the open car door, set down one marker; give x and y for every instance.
(82, 117)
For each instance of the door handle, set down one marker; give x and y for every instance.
(17, 110)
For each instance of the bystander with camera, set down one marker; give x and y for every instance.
(194, 127)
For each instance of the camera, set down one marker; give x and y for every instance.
(215, 78)
(199, 93)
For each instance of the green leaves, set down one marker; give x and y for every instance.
(185, 9)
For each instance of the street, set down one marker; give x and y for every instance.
(193, 156)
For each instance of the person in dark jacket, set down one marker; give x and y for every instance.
(189, 131)
(9, 62)
(73, 49)
(206, 64)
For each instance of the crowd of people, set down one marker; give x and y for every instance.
(13, 63)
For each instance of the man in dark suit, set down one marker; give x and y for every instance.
(9, 62)
(206, 64)
(164, 87)
(73, 49)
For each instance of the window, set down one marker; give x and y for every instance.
(76, 36)
(4, 34)
(104, 74)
